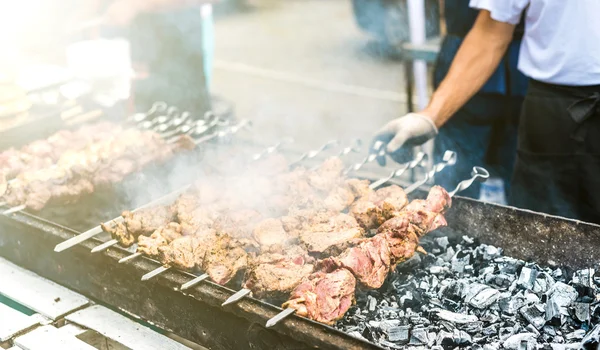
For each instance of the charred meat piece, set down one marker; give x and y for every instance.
(390, 199)
(119, 232)
(161, 237)
(192, 215)
(186, 252)
(239, 224)
(324, 297)
(269, 232)
(147, 220)
(360, 188)
(372, 210)
(367, 214)
(369, 261)
(274, 275)
(224, 258)
(337, 230)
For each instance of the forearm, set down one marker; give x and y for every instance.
(476, 60)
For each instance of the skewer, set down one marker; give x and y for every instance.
(155, 272)
(104, 246)
(158, 106)
(354, 147)
(257, 156)
(314, 153)
(272, 149)
(448, 159)
(280, 316)
(97, 230)
(130, 257)
(419, 160)
(14, 209)
(478, 174)
(193, 282)
(368, 159)
(237, 296)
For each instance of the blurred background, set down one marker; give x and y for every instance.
(310, 69)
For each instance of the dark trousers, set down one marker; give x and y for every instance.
(558, 155)
(483, 133)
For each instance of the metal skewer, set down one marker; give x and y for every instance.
(272, 149)
(478, 174)
(193, 282)
(368, 159)
(104, 246)
(155, 272)
(98, 229)
(130, 257)
(312, 154)
(14, 209)
(237, 296)
(448, 159)
(419, 160)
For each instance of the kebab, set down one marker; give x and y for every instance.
(98, 229)
(389, 199)
(327, 294)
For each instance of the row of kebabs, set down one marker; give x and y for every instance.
(273, 224)
(70, 164)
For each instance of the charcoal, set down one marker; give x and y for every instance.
(372, 303)
(390, 344)
(576, 335)
(489, 317)
(515, 342)
(527, 278)
(356, 334)
(492, 346)
(592, 339)
(491, 252)
(456, 338)
(581, 311)
(501, 280)
(419, 336)
(473, 327)
(455, 290)
(543, 283)
(439, 270)
(418, 320)
(459, 263)
(454, 317)
(560, 296)
(509, 304)
(442, 242)
(399, 334)
(531, 298)
(506, 332)
(550, 330)
(490, 330)
(559, 339)
(509, 265)
(447, 257)
(481, 296)
(584, 278)
(531, 329)
(468, 240)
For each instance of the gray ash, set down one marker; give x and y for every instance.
(468, 295)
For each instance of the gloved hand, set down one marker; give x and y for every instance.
(399, 136)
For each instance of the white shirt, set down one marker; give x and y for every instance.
(561, 44)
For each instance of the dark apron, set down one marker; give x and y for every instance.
(558, 153)
(484, 131)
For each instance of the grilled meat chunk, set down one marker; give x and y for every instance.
(224, 258)
(369, 261)
(185, 252)
(360, 188)
(324, 297)
(275, 275)
(339, 199)
(119, 232)
(145, 221)
(161, 237)
(337, 230)
(372, 210)
(269, 232)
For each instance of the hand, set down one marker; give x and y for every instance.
(400, 135)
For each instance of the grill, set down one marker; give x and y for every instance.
(191, 306)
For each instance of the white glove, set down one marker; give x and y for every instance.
(402, 134)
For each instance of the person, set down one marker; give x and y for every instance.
(557, 170)
(484, 130)
(166, 38)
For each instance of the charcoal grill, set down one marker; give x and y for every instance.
(196, 313)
